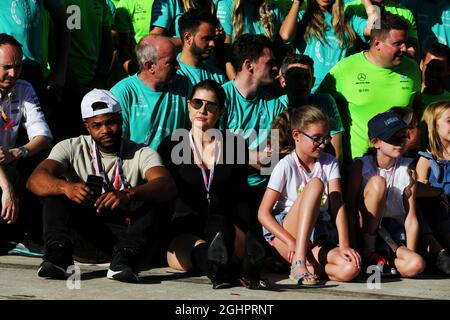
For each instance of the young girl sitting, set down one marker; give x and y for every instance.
(433, 169)
(303, 188)
(382, 189)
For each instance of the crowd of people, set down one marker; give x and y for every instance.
(227, 137)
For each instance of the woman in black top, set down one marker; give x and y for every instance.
(209, 228)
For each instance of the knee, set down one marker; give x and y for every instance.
(376, 186)
(414, 266)
(347, 271)
(316, 184)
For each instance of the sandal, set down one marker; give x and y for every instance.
(300, 279)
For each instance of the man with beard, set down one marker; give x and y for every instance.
(154, 100)
(105, 188)
(371, 82)
(19, 106)
(198, 35)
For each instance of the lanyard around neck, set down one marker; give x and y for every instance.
(118, 169)
(6, 123)
(207, 181)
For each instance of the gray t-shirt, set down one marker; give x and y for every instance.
(75, 155)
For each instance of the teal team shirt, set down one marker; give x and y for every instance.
(25, 21)
(150, 116)
(328, 105)
(251, 26)
(362, 90)
(251, 119)
(433, 21)
(204, 72)
(327, 54)
(166, 13)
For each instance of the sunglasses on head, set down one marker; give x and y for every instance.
(318, 140)
(209, 106)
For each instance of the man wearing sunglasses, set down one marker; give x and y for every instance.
(198, 35)
(154, 100)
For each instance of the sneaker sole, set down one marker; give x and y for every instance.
(122, 276)
(52, 271)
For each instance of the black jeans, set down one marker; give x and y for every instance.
(63, 216)
(28, 226)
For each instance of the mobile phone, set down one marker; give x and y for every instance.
(95, 183)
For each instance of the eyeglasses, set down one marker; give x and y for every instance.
(318, 140)
(209, 106)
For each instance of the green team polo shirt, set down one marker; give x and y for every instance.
(362, 90)
(204, 72)
(134, 16)
(251, 119)
(86, 42)
(149, 116)
(433, 21)
(327, 54)
(328, 105)
(251, 26)
(26, 22)
(356, 7)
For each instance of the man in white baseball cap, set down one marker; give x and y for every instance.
(111, 183)
(99, 101)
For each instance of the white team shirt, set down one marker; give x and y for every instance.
(21, 105)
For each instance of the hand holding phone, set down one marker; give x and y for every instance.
(95, 183)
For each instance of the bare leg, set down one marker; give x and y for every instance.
(334, 265)
(372, 211)
(408, 263)
(300, 222)
(179, 252)
(374, 202)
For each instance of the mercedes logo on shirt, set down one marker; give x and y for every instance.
(361, 77)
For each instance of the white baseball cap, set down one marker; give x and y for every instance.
(98, 101)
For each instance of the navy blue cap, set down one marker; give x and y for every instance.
(384, 125)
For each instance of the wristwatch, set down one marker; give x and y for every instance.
(23, 152)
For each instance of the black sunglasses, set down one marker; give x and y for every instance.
(318, 140)
(209, 106)
(397, 140)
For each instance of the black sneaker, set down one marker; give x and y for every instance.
(57, 258)
(443, 262)
(48, 269)
(121, 267)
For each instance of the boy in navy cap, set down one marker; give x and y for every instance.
(382, 199)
